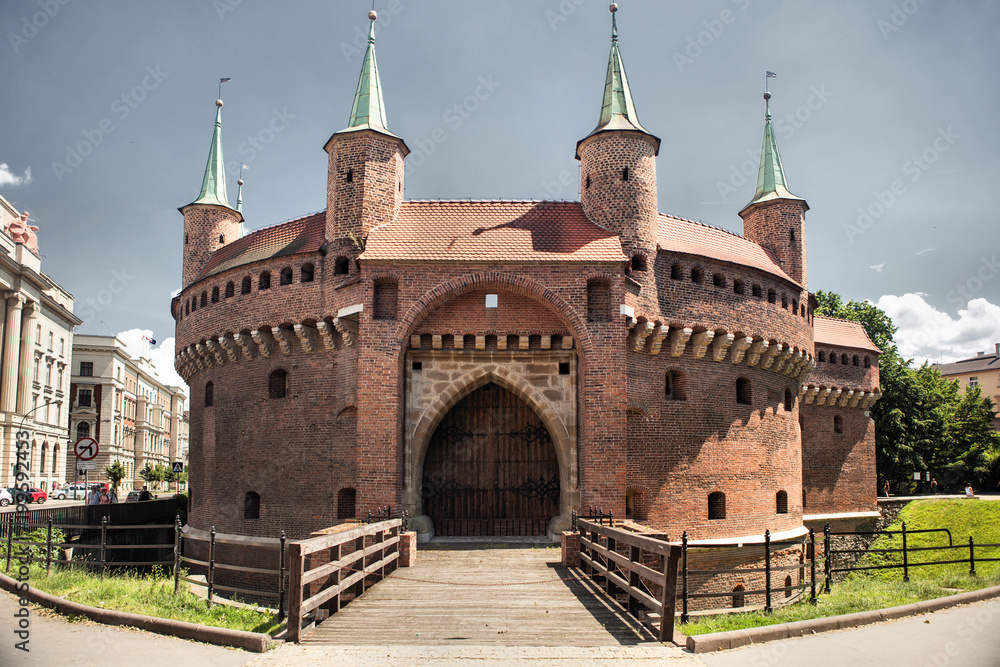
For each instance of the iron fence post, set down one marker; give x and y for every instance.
(10, 538)
(812, 566)
(104, 543)
(48, 548)
(827, 558)
(573, 521)
(684, 577)
(972, 557)
(281, 578)
(177, 553)
(611, 518)
(211, 566)
(906, 561)
(767, 571)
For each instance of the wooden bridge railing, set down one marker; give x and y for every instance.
(633, 574)
(355, 559)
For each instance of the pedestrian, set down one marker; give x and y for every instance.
(93, 498)
(885, 488)
(104, 497)
(969, 493)
(934, 486)
(113, 496)
(145, 495)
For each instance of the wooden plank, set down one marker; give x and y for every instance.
(347, 582)
(649, 544)
(668, 598)
(351, 558)
(314, 544)
(295, 567)
(644, 571)
(641, 596)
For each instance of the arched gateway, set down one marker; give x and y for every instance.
(491, 468)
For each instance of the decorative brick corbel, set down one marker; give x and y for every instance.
(216, 350)
(740, 348)
(720, 346)
(246, 345)
(230, 348)
(758, 348)
(678, 341)
(811, 396)
(772, 351)
(348, 329)
(284, 339)
(658, 335)
(329, 342)
(846, 397)
(263, 339)
(640, 334)
(823, 394)
(783, 358)
(858, 395)
(307, 336)
(700, 342)
(204, 355)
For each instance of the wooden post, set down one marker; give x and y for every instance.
(359, 588)
(635, 555)
(177, 553)
(281, 578)
(668, 599)
(295, 570)
(335, 578)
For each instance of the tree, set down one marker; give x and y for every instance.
(115, 474)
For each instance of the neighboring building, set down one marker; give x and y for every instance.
(37, 340)
(491, 366)
(118, 400)
(982, 370)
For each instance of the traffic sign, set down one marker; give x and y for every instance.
(86, 465)
(86, 449)
(178, 466)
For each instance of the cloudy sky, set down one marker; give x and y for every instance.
(885, 113)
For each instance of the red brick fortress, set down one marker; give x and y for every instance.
(491, 366)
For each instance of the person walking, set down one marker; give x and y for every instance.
(934, 486)
(94, 498)
(113, 496)
(145, 495)
(105, 500)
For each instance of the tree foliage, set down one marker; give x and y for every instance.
(115, 473)
(922, 422)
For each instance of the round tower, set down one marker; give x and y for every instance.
(618, 165)
(365, 174)
(209, 221)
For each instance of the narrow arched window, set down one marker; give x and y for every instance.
(625, 174)
(385, 299)
(791, 235)
(204, 299)
(868, 362)
(251, 505)
(306, 273)
(215, 295)
(598, 300)
(676, 272)
(55, 458)
(843, 360)
(838, 424)
(781, 502)
(346, 500)
(247, 286)
(674, 386)
(230, 289)
(856, 360)
(187, 307)
(739, 597)
(83, 430)
(265, 281)
(717, 505)
(788, 586)
(638, 262)
(821, 356)
(788, 399)
(739, 287)
(341, 266)
(758, 291)
(350, 175)
(286, 276)
(696, 274)
(209, 394)
(771, 296)
(718, 280)
(784, 301)
(743, 394)
(45, 451)
(277, 384)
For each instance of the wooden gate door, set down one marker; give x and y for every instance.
(491, 468)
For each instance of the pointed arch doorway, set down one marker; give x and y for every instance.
(491, 468)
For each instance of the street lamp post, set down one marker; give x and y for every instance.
(20, 429)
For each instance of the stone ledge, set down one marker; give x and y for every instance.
(718, 641)
(255, 642)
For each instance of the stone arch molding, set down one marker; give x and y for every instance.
(561, 425)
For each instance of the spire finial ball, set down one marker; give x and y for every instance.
(613, 8)
(767, 96)
(218, 103)
(372, 15)
(239, 182)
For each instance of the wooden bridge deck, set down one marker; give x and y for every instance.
(516, 597)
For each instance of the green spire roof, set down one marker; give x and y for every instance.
(368, 112)
(771, 183)
(213, 186)
(618, 110)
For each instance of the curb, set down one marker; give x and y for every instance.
(719, 641)
(255, 642)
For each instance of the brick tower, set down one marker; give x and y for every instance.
(209, 221)
(618, 166)
(365, 175)
(775, 218)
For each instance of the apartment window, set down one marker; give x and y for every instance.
(34, 372)
(50, 341)
(87, 369)
(973, 382)
(38, 334)
(82, 430)
(83, 398)
(62, 347)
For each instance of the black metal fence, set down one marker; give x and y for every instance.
(906, 551)
(79, 517)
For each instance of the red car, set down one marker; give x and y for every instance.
(33, 495)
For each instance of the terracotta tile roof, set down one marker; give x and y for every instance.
(986, 362)
(305, 234)
(511, 231)
(696, 238)
(843, 333)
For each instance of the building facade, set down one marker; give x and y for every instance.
(118, 401)
(37, 340)
(982, 370)
(491, 366)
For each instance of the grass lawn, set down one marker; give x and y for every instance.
(148, 595)
(877, 589)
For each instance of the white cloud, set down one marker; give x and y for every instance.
(878, 267)
(926, 333)
(162, 355)
(7, 177)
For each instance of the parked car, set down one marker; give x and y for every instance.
(33, 495)
(5, 498)
(76, 491)
(133, 496)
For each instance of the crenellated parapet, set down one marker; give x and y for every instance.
(842, 397)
